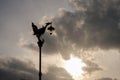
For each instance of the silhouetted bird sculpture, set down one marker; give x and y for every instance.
(40, 31)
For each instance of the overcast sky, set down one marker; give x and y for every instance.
(88, 29)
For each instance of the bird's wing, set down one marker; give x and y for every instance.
(34, 26)
(35, 29)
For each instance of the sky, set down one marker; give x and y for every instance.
(84, 29)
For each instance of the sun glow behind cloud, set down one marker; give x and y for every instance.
(74, 67)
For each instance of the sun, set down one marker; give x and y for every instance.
(74, 66)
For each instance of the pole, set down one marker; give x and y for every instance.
(40, 60)
(39, 33)
(39, 45)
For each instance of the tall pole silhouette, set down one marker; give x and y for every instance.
(38, 33)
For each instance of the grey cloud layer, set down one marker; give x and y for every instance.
(91, 67)
(14, 69)
(100, 28)
(101, 24)
(55, 73)
(93, 23)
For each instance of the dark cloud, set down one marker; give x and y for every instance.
(51, 44)
(93, 23)
(100, 27)
(91, 67)
(101, 24)
(14, 69)
(55, 73)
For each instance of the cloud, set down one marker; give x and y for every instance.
(26, 44)
(106, 79)
(101, 24)
(91, 24)
(55, 73)
(99, 28)
(15, 69)
(95, 26)
(91, 67)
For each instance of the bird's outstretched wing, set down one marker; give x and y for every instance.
(35, 29)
